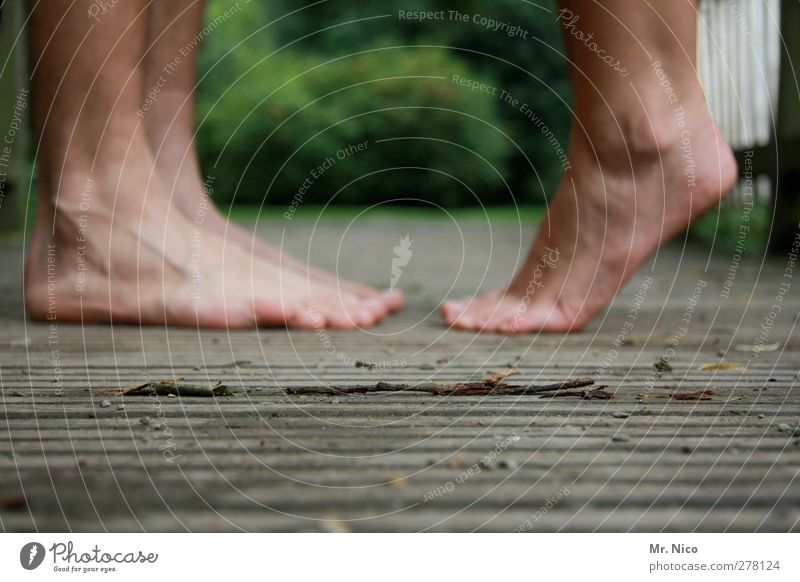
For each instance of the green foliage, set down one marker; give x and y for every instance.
(532, 69)
(298, 88)
(731, 229)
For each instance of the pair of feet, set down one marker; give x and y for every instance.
(133, 238)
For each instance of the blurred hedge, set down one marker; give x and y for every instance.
(279, 97)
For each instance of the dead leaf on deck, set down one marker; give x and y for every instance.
(720, 366)
(332, 523)
(12, 501)
(397, 480)
(174, 387)
(497, 377)
(699, 395)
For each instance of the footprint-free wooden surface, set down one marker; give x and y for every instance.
(267, 461)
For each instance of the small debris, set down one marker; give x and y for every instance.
(12, 501)
(120, 407)
(482, 388)
(331, 523)
(105, 403)
(427, 367)
(599, 393)
(510, 464)
(20, 343)
(456, 461)
(662, 365)
(687, 450)
(146, 421)
(485, 464)
(174, 387)
(367, 365)
(720, 366)
(699, 395)
(171, 395)
(784, 427)
(19, 394)
(620, 438)
(497, 377)
(757, 348)
(621, 414)
(236, 364)
(397, 481)
(762, 416)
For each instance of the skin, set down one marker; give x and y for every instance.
(117, 234)
(627, 191)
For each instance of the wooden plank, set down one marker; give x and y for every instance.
(267, 461)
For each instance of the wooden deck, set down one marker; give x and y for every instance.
(266, 461)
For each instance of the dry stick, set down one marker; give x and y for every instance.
(175, 387)
(466, 389)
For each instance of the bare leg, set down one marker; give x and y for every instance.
(170, 65)
(646, 161)
(108, 242)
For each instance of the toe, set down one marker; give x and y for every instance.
(452, 310)
(271, 314)
(377, 307)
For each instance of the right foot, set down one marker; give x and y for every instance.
(124, 254)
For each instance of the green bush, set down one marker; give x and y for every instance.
(529, 65)
(291, 120)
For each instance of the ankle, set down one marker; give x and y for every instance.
(641, 133)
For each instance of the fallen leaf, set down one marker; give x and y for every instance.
(12, 501)
(720, 366)
(173, 387)
(332, 523)
(699, 395)
(497, 377)
(397, 480)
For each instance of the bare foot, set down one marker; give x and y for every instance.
(179, 170)
(612, 210)
(109, 246)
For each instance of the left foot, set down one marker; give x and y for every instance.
(178, 169)
(616, 207)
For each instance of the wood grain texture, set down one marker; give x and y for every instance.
(266, 460)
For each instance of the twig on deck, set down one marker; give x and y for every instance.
(462, 389)
(174, 387)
